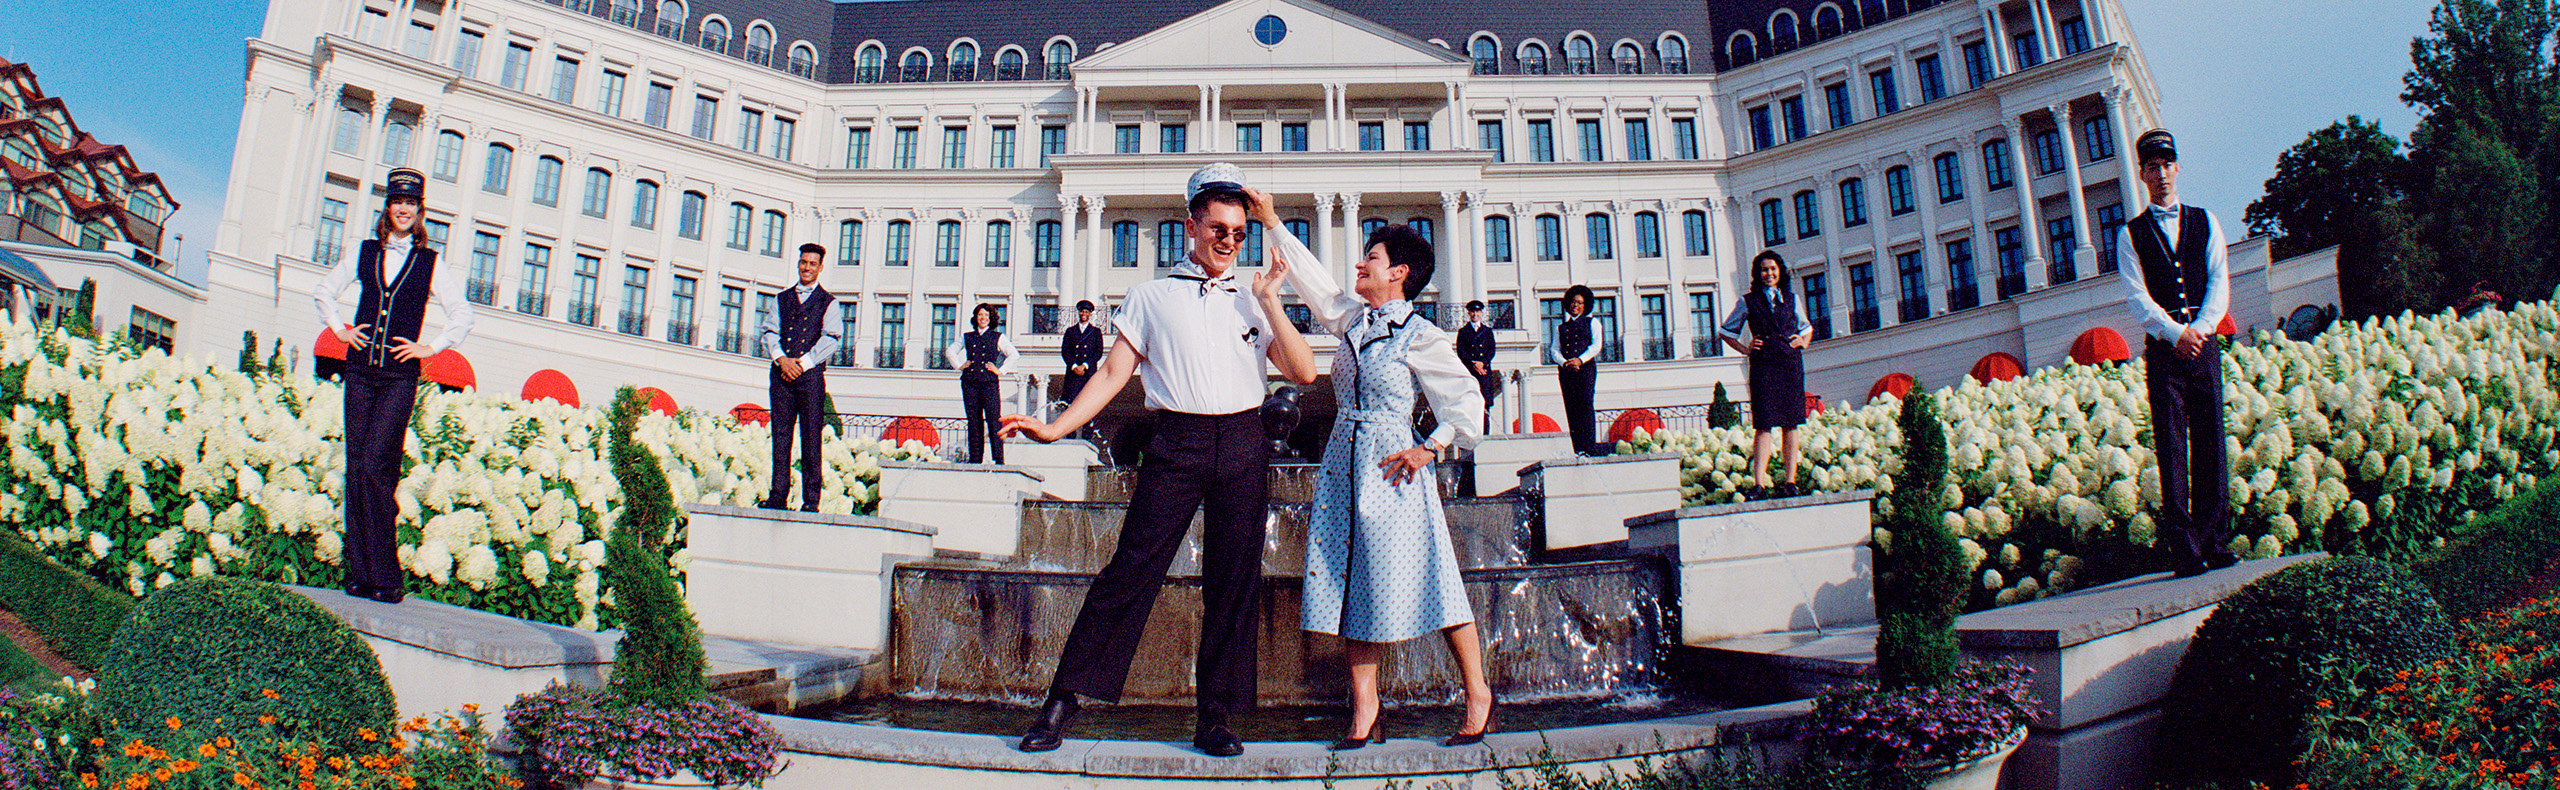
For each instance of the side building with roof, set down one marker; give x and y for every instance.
(76, 209)
(624, 183)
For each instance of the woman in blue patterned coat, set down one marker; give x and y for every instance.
(1380, 567)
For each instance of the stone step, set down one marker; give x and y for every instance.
(1290, 482)
(1079, 537)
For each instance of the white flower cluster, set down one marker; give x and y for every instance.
(2382, 436)
(219, 472)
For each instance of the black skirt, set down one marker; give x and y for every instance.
(1777, 387)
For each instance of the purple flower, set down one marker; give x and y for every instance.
(1984, 703)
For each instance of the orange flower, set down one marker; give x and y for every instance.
(98, 742)
(88, 780)
(206, 749)
(305, 785)
(365, 733)
(267, 718)
(162, 773)
(222, 741)
(242, 779)
(2493, 765)
(137, 781)
(134, 748)
(183, 766)
(337, 763)
(408, 783)
(270, 694)
(174, 723)
(471, 707)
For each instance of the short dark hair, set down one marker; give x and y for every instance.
(814, 247)
(1583, 291)
(1784, 278)
(1200, 202)
(1407, 248)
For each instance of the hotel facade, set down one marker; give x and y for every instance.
(624, 183)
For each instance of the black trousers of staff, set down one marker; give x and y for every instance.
(378, 403)
(1215, 463)
(1489, 383)
(979, 400)
(799, 406)
(1577, 384)
(1074, 386)
(2186, 433)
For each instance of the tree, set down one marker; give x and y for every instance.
(249, 353)
(2484, 81)
(1917, 602)
(2332, 189)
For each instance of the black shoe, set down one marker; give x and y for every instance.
(1790, 489)
(773, 503)
(1377, 734)
(1051, 726)
(2220, 558)
(1216, 740)
(389, 595)
(1472, 738)
(360, 591)
(809, 508)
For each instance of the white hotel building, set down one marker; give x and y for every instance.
(624, 182)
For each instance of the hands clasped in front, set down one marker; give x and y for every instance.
(402, 348)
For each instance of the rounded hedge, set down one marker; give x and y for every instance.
(209, 649)
(2236, 705)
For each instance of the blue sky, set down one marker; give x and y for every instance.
(2239, 83)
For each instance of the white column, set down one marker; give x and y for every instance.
(1524, 305)
(1998, 39)
(1018, 295)
(1453, 258)
(1451, 111)
(1476, 266)
(2029, 221)
(1623, 253)
(2084, 258)
(1977, 232)
(1325, 202)
(1675, 268)
(1070, 269)
(1883, 238)
(1929, 247)
(1095, 261)
(2043, 18)
(865, 340)
(1352, 238)
(2120, 113)
(969, 264)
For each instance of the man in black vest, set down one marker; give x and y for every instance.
(1575, 350)
(2181, 288)
(1475, 347)
(804, 333)
(397, 270)
(983, 356)
(1081, 349)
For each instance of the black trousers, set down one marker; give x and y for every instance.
(1577, 385)
(378, 402)
(1491, 385)
(979, 400)
(1074, 386)
(2186, 433)
(1214, 462)
(799, 406)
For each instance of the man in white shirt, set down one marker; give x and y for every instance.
(2180, 287)
(1200, 343)
(804, 333)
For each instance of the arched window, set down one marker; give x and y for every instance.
(1675, 54)
(1741, 50)
(760, 44)
(964, 62)
(804, 61)
(1487, 55)
(849, 243)
(599, 192)
(671, 16)
(715, 36)
(866, 66)
(1783, 32)
(946, 243)
(1124, 243)
(999, 243)
(689, 211)
(1648, 235)
(1629, 58)
(1577, 55)
(1168, 243)
(1497, 239)
(1853, 202)
(1009, 64)
(1369, 227)
(626, 13)
(1598, 231)
(644, 204)
(546, 181)
(1693, 228)
(1061, 53)
(395, 141)
(1533, 58)
(1424, 226)
(917, 67)
(448, 155)
(1045, 246)
(900, 245)
(495, 177)
(1826, 22)
(352, 120)
(1870, 12)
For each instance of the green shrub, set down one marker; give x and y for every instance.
(1925, 589)
(77, 615)
(1722, 412)
(659, 660)
(2497, 554)
(209, 649)
(2236, 706)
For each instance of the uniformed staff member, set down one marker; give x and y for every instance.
(1081, 349)
(2181, 289)
(1201, 344)
(983, 356)
(1476, 349)
(1575, 351)
(397, 271)
(804, 332)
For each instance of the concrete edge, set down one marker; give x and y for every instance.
(2097, 612)
(949, 466)
(1730, 508)
(1578, 460)
(566, 646)
(832, 519)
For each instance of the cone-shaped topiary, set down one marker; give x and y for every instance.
(1924, 591)
(212, 648)
(659, 661)
(1722, 412)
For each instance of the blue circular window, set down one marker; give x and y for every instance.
(1269, 30)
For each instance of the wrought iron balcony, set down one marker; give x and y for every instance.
(533, 303)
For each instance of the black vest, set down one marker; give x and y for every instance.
(1083, 345)
(1771, 322)
(1573, 338)
(395, 309)
(800, 320)
(1475, 344)
(2176, 281)
(982, 348)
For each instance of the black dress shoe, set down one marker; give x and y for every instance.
(2187, 567)
(360, 591)
(1377, 734)
(773, 503)
(2220, 558)
(1051, 726)
(809, 508)
(1216, 740)
(388, 594)
(1463, 738)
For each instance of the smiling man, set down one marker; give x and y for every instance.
(803, 333)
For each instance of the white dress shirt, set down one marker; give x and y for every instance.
(1555, 354)
(958, 353)
(830, 332)
(1740, 321)
(457, 310)
(2217, 273)
(1201, 342)
(1432, 352)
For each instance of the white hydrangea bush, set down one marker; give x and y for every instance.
(142, 469)
(2382, 437)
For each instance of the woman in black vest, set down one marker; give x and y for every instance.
(397, 271)
(1576, 354)
(1779, 333)
(983, 356)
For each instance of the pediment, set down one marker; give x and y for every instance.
(1226, 37)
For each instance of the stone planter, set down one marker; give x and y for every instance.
(1980, 773)
(682, 779)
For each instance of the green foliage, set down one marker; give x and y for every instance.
(83, 316)
(249, 353)
(1743, 766)
(2501, 550)
(1925, 587)
(2236, 706)
(76, 615)
(212, 649)
(1722, 412)
(23, 671)
(2490, 714)
(2344, 186)
(659, 661)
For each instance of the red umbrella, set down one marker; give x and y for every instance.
(2227, 328)
(328, 346)
(1997, 366)
(660, 401)
(751, 414)
(2100, 344)
(553, 384)
(1899, 384)
(449, 368)
(1812, 403)
(1539, 423)
(913, 427)
(1624, 427)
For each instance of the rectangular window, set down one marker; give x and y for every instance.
(1124, 244)
(2029, 49)
(2110, 220)
(1835, 97)
(1601, 235)
(2012, 249)
(1000, 147)
(1639, 140)
(689, 210)
(999, 244)
(1293, 137)
(848, 327)
(1950, 178)
(901, 243)
(902, 148)
(482, 287)
(1489, 138)
(706, 116)
(955, 147)
(1791, 111)
(2062, 243)
(1593, 149)
(1304, 230)
(1684, 138)
(1962, 292)
(1173, 138)
(1933, 78)
(1915, 286)
(151, 330)
(750, 129)
(1897, 191)
(1761, 136)
(395, 139)
(1249, 137)
(1045, 244)
(893, 335)
(599, 193)
(946, 243)
(2047, 147)
(1169, 243)
(1693, 229)
(774, 224)
(351, 123)
(766, 303)
(466, 53)
(1977, 64)
(1417, 136)
(582, 290)
(1657, 327)
(2074, 33)
(501, 160)
(1373, 136)
(742, 226)
(511, 70)
(1888, 94)
(1550, 237)
(1648, 235)
(849, 243)
(1702, 320)
(2098, 138)
(533, 290)
(1863, 315)
(564, 80)
(662, 99)
(857, 148)
(1124, 138)
(1995, 164)
(1808, 215)
(644, 205)
(448, 156)
(1497, 239)
(609, 93)
(331, 242)
(946, 324)
(784, 130)
(1817, 304)
(1053, 141)
(1542, 141)
(1605, 330)
(1853, 203)
(635, 301)
(1773, 223)
(546, 181)
(680, 327)
(733, 319)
